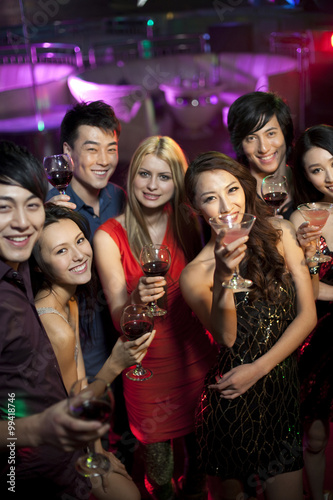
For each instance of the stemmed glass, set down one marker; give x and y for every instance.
(234, 226)
(59, 171)
(155, 260)
(274, 191)
(91, 398)
(136, 320)
(317, 213)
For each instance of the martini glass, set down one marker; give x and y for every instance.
(155, 260)
(59, 171)
(316, 214)
(274, 191)
(234, 226)
(91, 399)
(136, 320)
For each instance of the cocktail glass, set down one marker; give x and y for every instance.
(234, 226)
(317, 213)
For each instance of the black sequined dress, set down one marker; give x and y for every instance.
(316, 356)
(257, 433)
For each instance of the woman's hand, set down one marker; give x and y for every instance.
(63, 201)
(128, 353)
(236, 381)
(151, 288)
(228, 257)
(307, 236)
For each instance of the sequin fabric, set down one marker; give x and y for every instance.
(316, 356)
(257, 433)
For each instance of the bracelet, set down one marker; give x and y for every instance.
(314, 270)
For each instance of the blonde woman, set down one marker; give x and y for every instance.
(162, 408)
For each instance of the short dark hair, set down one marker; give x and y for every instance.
(18, 167)
(95, 114)
(250, 112)
(318, 136)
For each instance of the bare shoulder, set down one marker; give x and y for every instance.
(296, 219)
(58, 330)
(200, 269)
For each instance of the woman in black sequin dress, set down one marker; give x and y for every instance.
(313, 174)
(247, 420)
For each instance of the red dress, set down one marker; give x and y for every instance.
(180, 355)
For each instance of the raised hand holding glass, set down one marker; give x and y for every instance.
(59, 171)
(317, 213)
(155, 260)
(234, 226)
(136, 320)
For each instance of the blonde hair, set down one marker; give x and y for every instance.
(183, 224)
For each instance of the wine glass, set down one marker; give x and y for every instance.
(274, 191)
(59, 171)
(317, 213)
(234, 226)
(136, 320)
(91, 398)
(155, 260)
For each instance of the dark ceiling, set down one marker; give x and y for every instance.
(45, 12)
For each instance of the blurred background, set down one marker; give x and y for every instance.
(165, 68)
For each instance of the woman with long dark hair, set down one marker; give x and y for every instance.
(247, 420)
(313, 181)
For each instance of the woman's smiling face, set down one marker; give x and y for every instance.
(66, 252)
(218, 191)
(153, 184)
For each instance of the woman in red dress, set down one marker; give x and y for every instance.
(162, 408)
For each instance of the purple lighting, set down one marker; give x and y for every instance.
(125, 99)
(20, 101)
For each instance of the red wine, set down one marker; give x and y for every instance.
(276, 199)
(60, 180)
(136, 328)
(93, 410)
(155, 268)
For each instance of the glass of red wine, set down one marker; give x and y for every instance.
(59, 171)
(136, 320)
(91, 398)
(155, 260)
(274, 191)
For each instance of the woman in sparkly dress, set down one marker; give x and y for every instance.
(313, 170)
(247, 420)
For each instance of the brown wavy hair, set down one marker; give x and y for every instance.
(263, 263)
